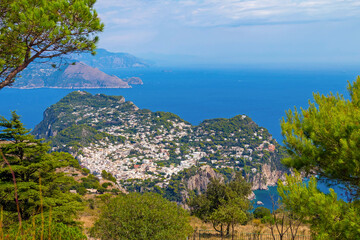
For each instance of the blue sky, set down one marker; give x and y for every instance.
(234, 31)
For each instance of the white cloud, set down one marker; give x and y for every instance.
(213, 13)
(246, 29)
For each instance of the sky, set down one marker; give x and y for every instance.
(233, 31)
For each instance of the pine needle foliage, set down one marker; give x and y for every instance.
(325, 138)
(39, 185)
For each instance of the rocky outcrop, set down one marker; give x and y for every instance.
(133, 81)
(201, 180)
(266, 177)
(252, 196)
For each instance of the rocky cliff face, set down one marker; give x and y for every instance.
(201, 180)
(204, 174)
(266, 177)
(261, 181)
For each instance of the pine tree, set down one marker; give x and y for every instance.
(39, 186)
(325, 138)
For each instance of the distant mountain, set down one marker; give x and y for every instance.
(105, 60)
(81, 71)
(78, 75)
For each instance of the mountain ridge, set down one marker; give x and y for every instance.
(105, 60)
(80, 71)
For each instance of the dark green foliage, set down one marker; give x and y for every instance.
(261, 212)
(173, 191)
(228, 173)
(67, 157)
(227, 126)
(142, 217)
(105, 185)
(161, 118)
(108, 176)
(240, 126)
(31, 164)
(82, 135)
(85, 171)
(91, 182)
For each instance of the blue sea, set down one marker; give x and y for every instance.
(196, 94)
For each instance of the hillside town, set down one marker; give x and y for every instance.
(159, 145)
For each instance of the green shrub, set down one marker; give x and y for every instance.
(147, 217)
(261, 212)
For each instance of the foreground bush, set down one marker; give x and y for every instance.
(261, 212)
(140, 217)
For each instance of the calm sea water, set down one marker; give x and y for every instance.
(198, 94)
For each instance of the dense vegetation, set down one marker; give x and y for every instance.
(147, 217)
(239, 127)
(30, 183)
(223, 204)
(324, 140)
(78, 136)
(65, 108)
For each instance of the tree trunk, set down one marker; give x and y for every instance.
(232, 226)
(227, 229)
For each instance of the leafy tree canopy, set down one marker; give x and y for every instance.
(261, 212)
(140, 217)
(33, 29)
(328, 217)
(223, 204)
(325, 138)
